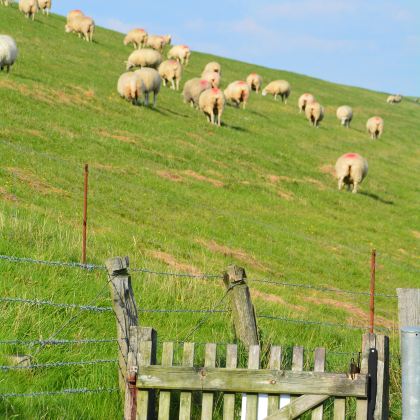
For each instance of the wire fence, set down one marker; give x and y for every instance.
(57, 364)
(61, 392)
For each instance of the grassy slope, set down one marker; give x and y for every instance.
(266, 202)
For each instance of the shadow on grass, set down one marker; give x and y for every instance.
(377, 198)
(170, 111)
(235, 127)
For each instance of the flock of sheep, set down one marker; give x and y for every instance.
(202, 92)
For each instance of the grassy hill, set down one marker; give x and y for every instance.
(177, 194)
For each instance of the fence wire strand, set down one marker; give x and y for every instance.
(62, 392)
(58, 364)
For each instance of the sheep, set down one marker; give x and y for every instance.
(137, 37)
(145, 57)
(151, 83)
(84, 26)
(394, 99)
(73, 13)
(304, 100)
(8, 52)
(45, 6)
(181, 53)
(345, 115)
(314, 113)
(193, 89)
(254, 81)
(130, 87)
(212, 103)
(278, 87)
(213, 66)
(167, 39)
(375, 127)
(351, 169)
(29, 8)
(171, 71)
(237, 92)
(156, 42)
(213, 77)
(6, 2)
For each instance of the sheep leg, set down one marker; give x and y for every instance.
(244, 105)
(164, 82)
(154, 99)
(355, 186)
(275, 96)
(219, 119)
(177, 84)
(173, 84)
(340, 184)
(212, 118)
(8, 68)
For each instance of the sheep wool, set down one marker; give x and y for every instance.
(74, 13)
(254, 81)
(151, 83)
(181, 53)
(345, 115)
(8, 52)
(213, 66)
(45, 6)
(394, 99)
(212, 104)
(145, 57)
(130, 87)
(193, 89)
(84, 26)
(237, 92)
(304, 100)
(171, 71)
(137, 37)
(278, 87)
(351, 169)
(375, 127)
(155, 42)
(28, 8)
(213, 77)
(314, 113)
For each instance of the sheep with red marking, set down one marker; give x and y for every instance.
(84, 26)
(182, 53)
(193, 88)
(45, 6)
(345, 115)
(151, 83)
(314, 113)
(237, 92)
(375, 127)
(212, 104)
(280, 88)
(137, 37)
(304, 100)
(171, 71)
(156, 42)
(28, 8)
(351, 169)
(145, 57)
(130, 87)
(213, 66)
(74, 13)
(254, 81)
(213, 77)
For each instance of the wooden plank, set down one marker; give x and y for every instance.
(408, 307)
(144, 398)
(130, 400)
(317, 413)
(252, 400)
(275, 364)
(165, 396)
(251, 381)
(229, 398)
(186, 397)
(382, 396)
(339, 409)
(297, 362)
(208, 397)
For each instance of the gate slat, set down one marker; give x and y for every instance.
(165, 396)
(252, 399)
(186, 397)
(144, 358)
(229, 399)
(319, 366)
(275, 363)
(339, 408)
(297, 363)
(208, 397)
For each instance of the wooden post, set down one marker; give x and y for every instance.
(125, 310)
(243, 311)
(409, 307)
(372, 291)
(85, 205)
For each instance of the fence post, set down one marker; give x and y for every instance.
(408, 307)
(125, 310)
(243, 311)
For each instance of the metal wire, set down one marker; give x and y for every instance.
(62, 392)
(57, 342)
(57, 364)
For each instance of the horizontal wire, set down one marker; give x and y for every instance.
(57, 364)
(62, 392)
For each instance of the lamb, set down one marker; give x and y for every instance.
(278, 87)
(73, 13)
(29, 8)
(345, 115)
(145, 57)
(156, 42)
(130, 87)
(213, 77)
(193, 89)
(181, 53)
(314, 113)
(213, 66)
(394, 99)
(171, 71)
(137, 37)
(151, 83)
(375, 127)
(45, 6)
(304, 100)
(8, 52)
(84, 26)
(212, 103)
(351, 169)
(237, 92)
(254, 81)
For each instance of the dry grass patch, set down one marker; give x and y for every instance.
(416, 234)
(170, 175)
(171, 261)
(199, 177)
(5, 195)
(328, 169)
(123, 136)
(268, 297)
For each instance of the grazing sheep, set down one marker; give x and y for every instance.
(155, 42)
(29, 8)
(314, 113)
(45, 6)
(237, 92)
(167, 39)
(137, 37)
(193, 89)
(345, 115)
(254, 81)
(375, 127)
(130, 87)
(171, 71)
(278, 87)
(181, 53)
(351, 169)
(304, 100)
(213, 77)
(8, 52)
(151, 83)
(145, 57)
(212, 103)
(213, 66)
(394, 99)
(83, 26)
(74, 13)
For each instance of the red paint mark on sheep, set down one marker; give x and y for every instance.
(241, 83)
(185, 47)
(204, 82)
(215, 90)
(351, 155)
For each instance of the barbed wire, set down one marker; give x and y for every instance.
(58, 342)
(62, 392)
(172, 274)
(58, 364)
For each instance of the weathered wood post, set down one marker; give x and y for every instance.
(243, 311)
(408, 307)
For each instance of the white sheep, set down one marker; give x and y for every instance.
(345, 115)
(145, 57)
(212, 104)
(351, 169)
(314, 113)
(151, 83)
(8, 52)
(278, 87)
(171, 71)
(193, 89)
(130, 87)
(84, 26)
(375, 127)
(254, 81)
(137, 37)
(304, 100)
(237, 92)
(213, 66)
(181, 53)
(29, 8)
(156, 42)
(73, 13)
(167, 39)
(213, 77)
(45, 6)
(394, 99)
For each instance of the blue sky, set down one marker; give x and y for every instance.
(368, 43)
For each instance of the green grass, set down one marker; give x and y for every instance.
(177, 194)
